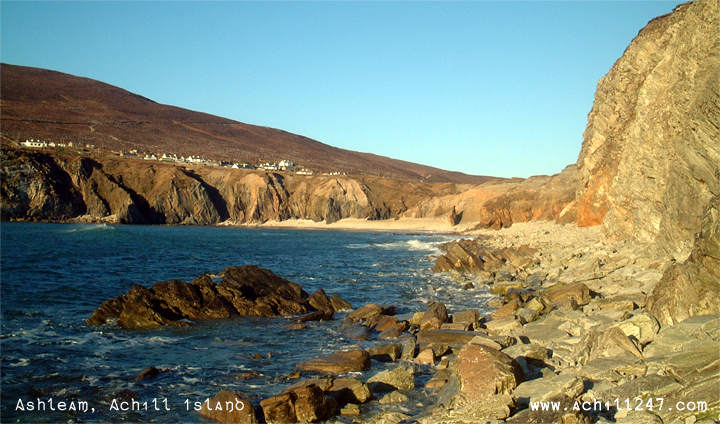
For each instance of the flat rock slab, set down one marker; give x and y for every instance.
(338, 363)
(542, 389)
(446, 337)
(485, 372)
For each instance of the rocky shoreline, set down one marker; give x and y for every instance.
(572, 323)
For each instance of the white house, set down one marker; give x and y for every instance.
(34, 143)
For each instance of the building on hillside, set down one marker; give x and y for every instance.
(38, 144)
(286, 165)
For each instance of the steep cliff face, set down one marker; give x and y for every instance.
(58, 187)
(499, 205)
(650, 160)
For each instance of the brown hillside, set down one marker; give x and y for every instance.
(39, 103)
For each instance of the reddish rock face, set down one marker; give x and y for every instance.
(484, 372)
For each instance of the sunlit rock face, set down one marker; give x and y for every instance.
(650, 159)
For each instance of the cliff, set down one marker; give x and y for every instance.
(650, 159)
(40, 186)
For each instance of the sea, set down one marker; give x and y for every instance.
(53, 276)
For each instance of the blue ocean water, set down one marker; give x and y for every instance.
(53, 276)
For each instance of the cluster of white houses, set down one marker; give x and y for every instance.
(41, 144)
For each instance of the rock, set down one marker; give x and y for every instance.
(485, 372)
(339, 304)
(320, 301)
(349, 390)
(642, 327)
(690, 288)
(151, 372)
(426, 357)
(316, 316)
(399, 378)
(565, 416)
(355, 332)
(279, 409)
(350, 409)
(247, 290)
(485, 341)
(470, 317)
(461, 326)
(579, 292)
(503, 288)
(606, 344)
(507, 310)
(446, 337)
(338, 363)
(389, 417)
(439, 380)
(311, 404)
(543, 389)
(229, 407)
(369, 311)
(655, 190)
(409, 349)
(323, 383)
(502, 325)
(393, 397)
(390, 333)
(454, 217)
(434, 317)
(526, 315)
(386, 353)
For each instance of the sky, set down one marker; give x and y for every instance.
(486, 88)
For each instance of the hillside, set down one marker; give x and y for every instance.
(53, 106)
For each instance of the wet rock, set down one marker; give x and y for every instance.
(386, 353)
(390, 333)
(247, 290)
(339, 304)
(356, 332)
(320, 301)
(399, 378)
(316, 316)
(229, 407)
(434, 317)
(148, 373)
(369, 311)
(338, 363)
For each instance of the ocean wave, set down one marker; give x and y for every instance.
(413, 244)
(90, 227)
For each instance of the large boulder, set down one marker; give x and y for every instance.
(244, 290)
(484, 372)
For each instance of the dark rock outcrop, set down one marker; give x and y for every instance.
(338, 363)
(244, 290)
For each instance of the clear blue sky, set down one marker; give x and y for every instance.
(491, 88)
